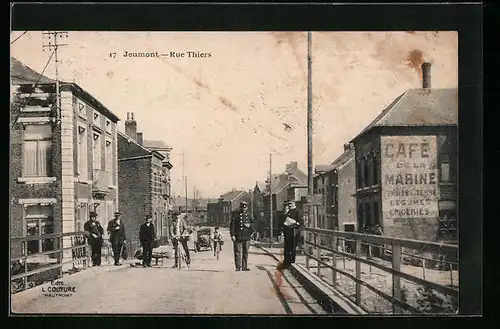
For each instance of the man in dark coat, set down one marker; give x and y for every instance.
(147, 235)
(116, 230)
(95, 232)
(291, 226)
(240, 229)
(180, 233)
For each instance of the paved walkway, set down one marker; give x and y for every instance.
(209, 286)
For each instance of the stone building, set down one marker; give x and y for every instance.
(406, 165)
(63, 160)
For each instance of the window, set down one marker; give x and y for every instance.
(367, 219)
(108, 126)
(445, 172)
(82, 216)
(37, 151)
(375, 178)
(81, 109)
(109, 156)
(97, 119)
(39, 221)
(375, 213)
(82, 153)
(96, 151)
(358, 174)
(366, 181)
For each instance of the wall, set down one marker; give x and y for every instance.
(346, 206)
(20, 190)
(134, 198)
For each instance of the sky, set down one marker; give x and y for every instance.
(229, 111)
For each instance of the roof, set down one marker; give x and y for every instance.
(156, 144)
(339, 162)
(230, 196)
(129, 139)
(21, 74)
(419, 107)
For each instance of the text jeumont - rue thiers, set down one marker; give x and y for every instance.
(172, 54)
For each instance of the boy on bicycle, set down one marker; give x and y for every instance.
(217, 237)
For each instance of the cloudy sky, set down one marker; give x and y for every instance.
(227, 112)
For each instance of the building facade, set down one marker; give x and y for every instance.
(406, 166)
(219, 213)
(63, 159)
(336, 184)
(144, 185)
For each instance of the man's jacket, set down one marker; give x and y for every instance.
(95, 230)
(241, 225)
(179, 228)
(147, 233)
(294, 214)
(116, 232)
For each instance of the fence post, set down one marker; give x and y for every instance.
(451, 274)
(61, 251)
(396, 280)
(334, 260)
(317, 240)
(358, 271)
(25, 254)
(423, 268)
(307, 247)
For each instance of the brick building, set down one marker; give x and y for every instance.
(406, 165)
(144, 185)
(63, 160)
(337, 185)
(289, 185)
(219, 213)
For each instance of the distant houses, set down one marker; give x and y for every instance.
(219, 212)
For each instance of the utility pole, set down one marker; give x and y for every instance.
(271, 196)
(186, 187)
(54, 44)
(310, 185)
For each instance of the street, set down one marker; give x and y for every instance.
(209, 286)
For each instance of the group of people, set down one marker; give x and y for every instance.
(241, 229)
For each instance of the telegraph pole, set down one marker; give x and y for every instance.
(54, 44)
(271, 196)
(310, 190)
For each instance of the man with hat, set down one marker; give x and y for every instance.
(94, 231)
(116, 231)
(291, 226)
(180, 234)
(147, 235)
(240, 229)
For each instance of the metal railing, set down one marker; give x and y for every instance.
(392, 247)
(78, 246)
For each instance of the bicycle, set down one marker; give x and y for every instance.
(217, 249)
(181, 254)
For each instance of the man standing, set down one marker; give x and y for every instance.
(147, 235)
(291, 226)
(241, 229)
(116, 231)
(95, 232)
(179, 233)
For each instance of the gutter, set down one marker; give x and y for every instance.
(148, 156)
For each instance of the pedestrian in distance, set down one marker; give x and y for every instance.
(241, 229)
(147, 235)
(291, 232)
(95, 232)
(180, 234)
(116, 230)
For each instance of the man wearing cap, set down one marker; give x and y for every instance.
(291, 226)
(116, 231)
(240, 229)
(147, 235)
(95, 232)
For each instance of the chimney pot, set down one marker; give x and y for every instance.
(132, 115)
(426, 75)
(128, 115)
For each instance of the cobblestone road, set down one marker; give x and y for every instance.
(209, 286)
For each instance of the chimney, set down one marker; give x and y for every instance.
(131, 126)
(426, 75)
(140, 139)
